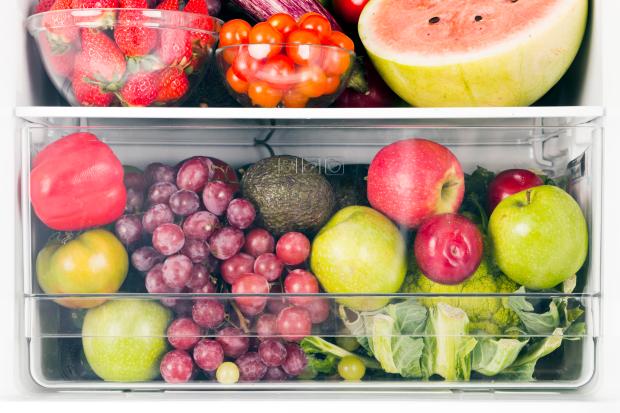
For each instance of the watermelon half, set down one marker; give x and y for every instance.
(472, 52)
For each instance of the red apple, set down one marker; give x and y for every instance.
(448, 248)
(413, 179)
(508, 183)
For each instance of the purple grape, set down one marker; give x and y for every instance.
(183, 308)
(208, 354)
(212, 264)
(259, 241)
(275, 374)
(269, 266)
(177, 271)
(183, 333)
(200, 225)
(295, 361)
(240, 213)
(135, 201)
(199, 278)
(196, 250)
(214, 7)
(233, 341)
(208, 313)
(275, 305)
(265, 326)
(158, 172)
(226, 242)
(251, 368)
(217, 196)
(155, 216)
(155, 284)
(177, 367)
(144, 258)
(272, 353)
(195, 173)
(160, 193)
(208, 288)
(135, 181)
(168, 239)
(128, 229)
(234, 267)
(184, 202)
(154, 281)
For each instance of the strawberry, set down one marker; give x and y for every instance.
(197, 6)
(95, 4)
(89, 94)
(100, 59)
(59, 59)
(131, 34)
(175, 47)
(60, 25)
(44, 5)
(173, 85)
(169, 5)
(103, 19)
(140, 89)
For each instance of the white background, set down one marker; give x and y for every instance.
(604, 395)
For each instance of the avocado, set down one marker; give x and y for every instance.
(349, 184)
(290, 194)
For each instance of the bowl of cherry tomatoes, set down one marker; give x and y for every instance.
(284, 62)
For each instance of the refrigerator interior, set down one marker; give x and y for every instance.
(561, 135)
(568, 154)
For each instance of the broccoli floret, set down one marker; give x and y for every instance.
(486, 314)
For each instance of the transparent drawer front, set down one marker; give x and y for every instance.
(486, 332)
(414, 341)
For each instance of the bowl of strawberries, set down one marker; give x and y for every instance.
(285, 62)
(122, 53)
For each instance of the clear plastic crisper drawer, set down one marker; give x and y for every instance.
(414, 340)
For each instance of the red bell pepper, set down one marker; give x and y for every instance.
(77, 183)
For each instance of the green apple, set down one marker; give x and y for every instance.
(125, 339)
(540, 237)
(359, 251)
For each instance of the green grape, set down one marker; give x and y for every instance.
(351, 368)
(227, 373)
(348, 343)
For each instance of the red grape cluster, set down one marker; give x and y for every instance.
(202, 240)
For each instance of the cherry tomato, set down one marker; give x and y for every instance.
(306, 15)
(236, 31)
(335, 60)
(244, 65)
(318, 24)
(341, 40)
(235, 82)
(295, 99)
(332, 83)
(283, 23)
(304, 53)
(233, 32)
(312, 81)
(264, 33)
(349, 10)
(263, 95)
(278, 71)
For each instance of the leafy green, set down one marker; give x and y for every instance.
(314, 345)
(475, 197)
(448, 343)
(393, 335)
(538, 324)
(492, 356)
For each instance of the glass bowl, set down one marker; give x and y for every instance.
(285, 75)
(128, 57)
